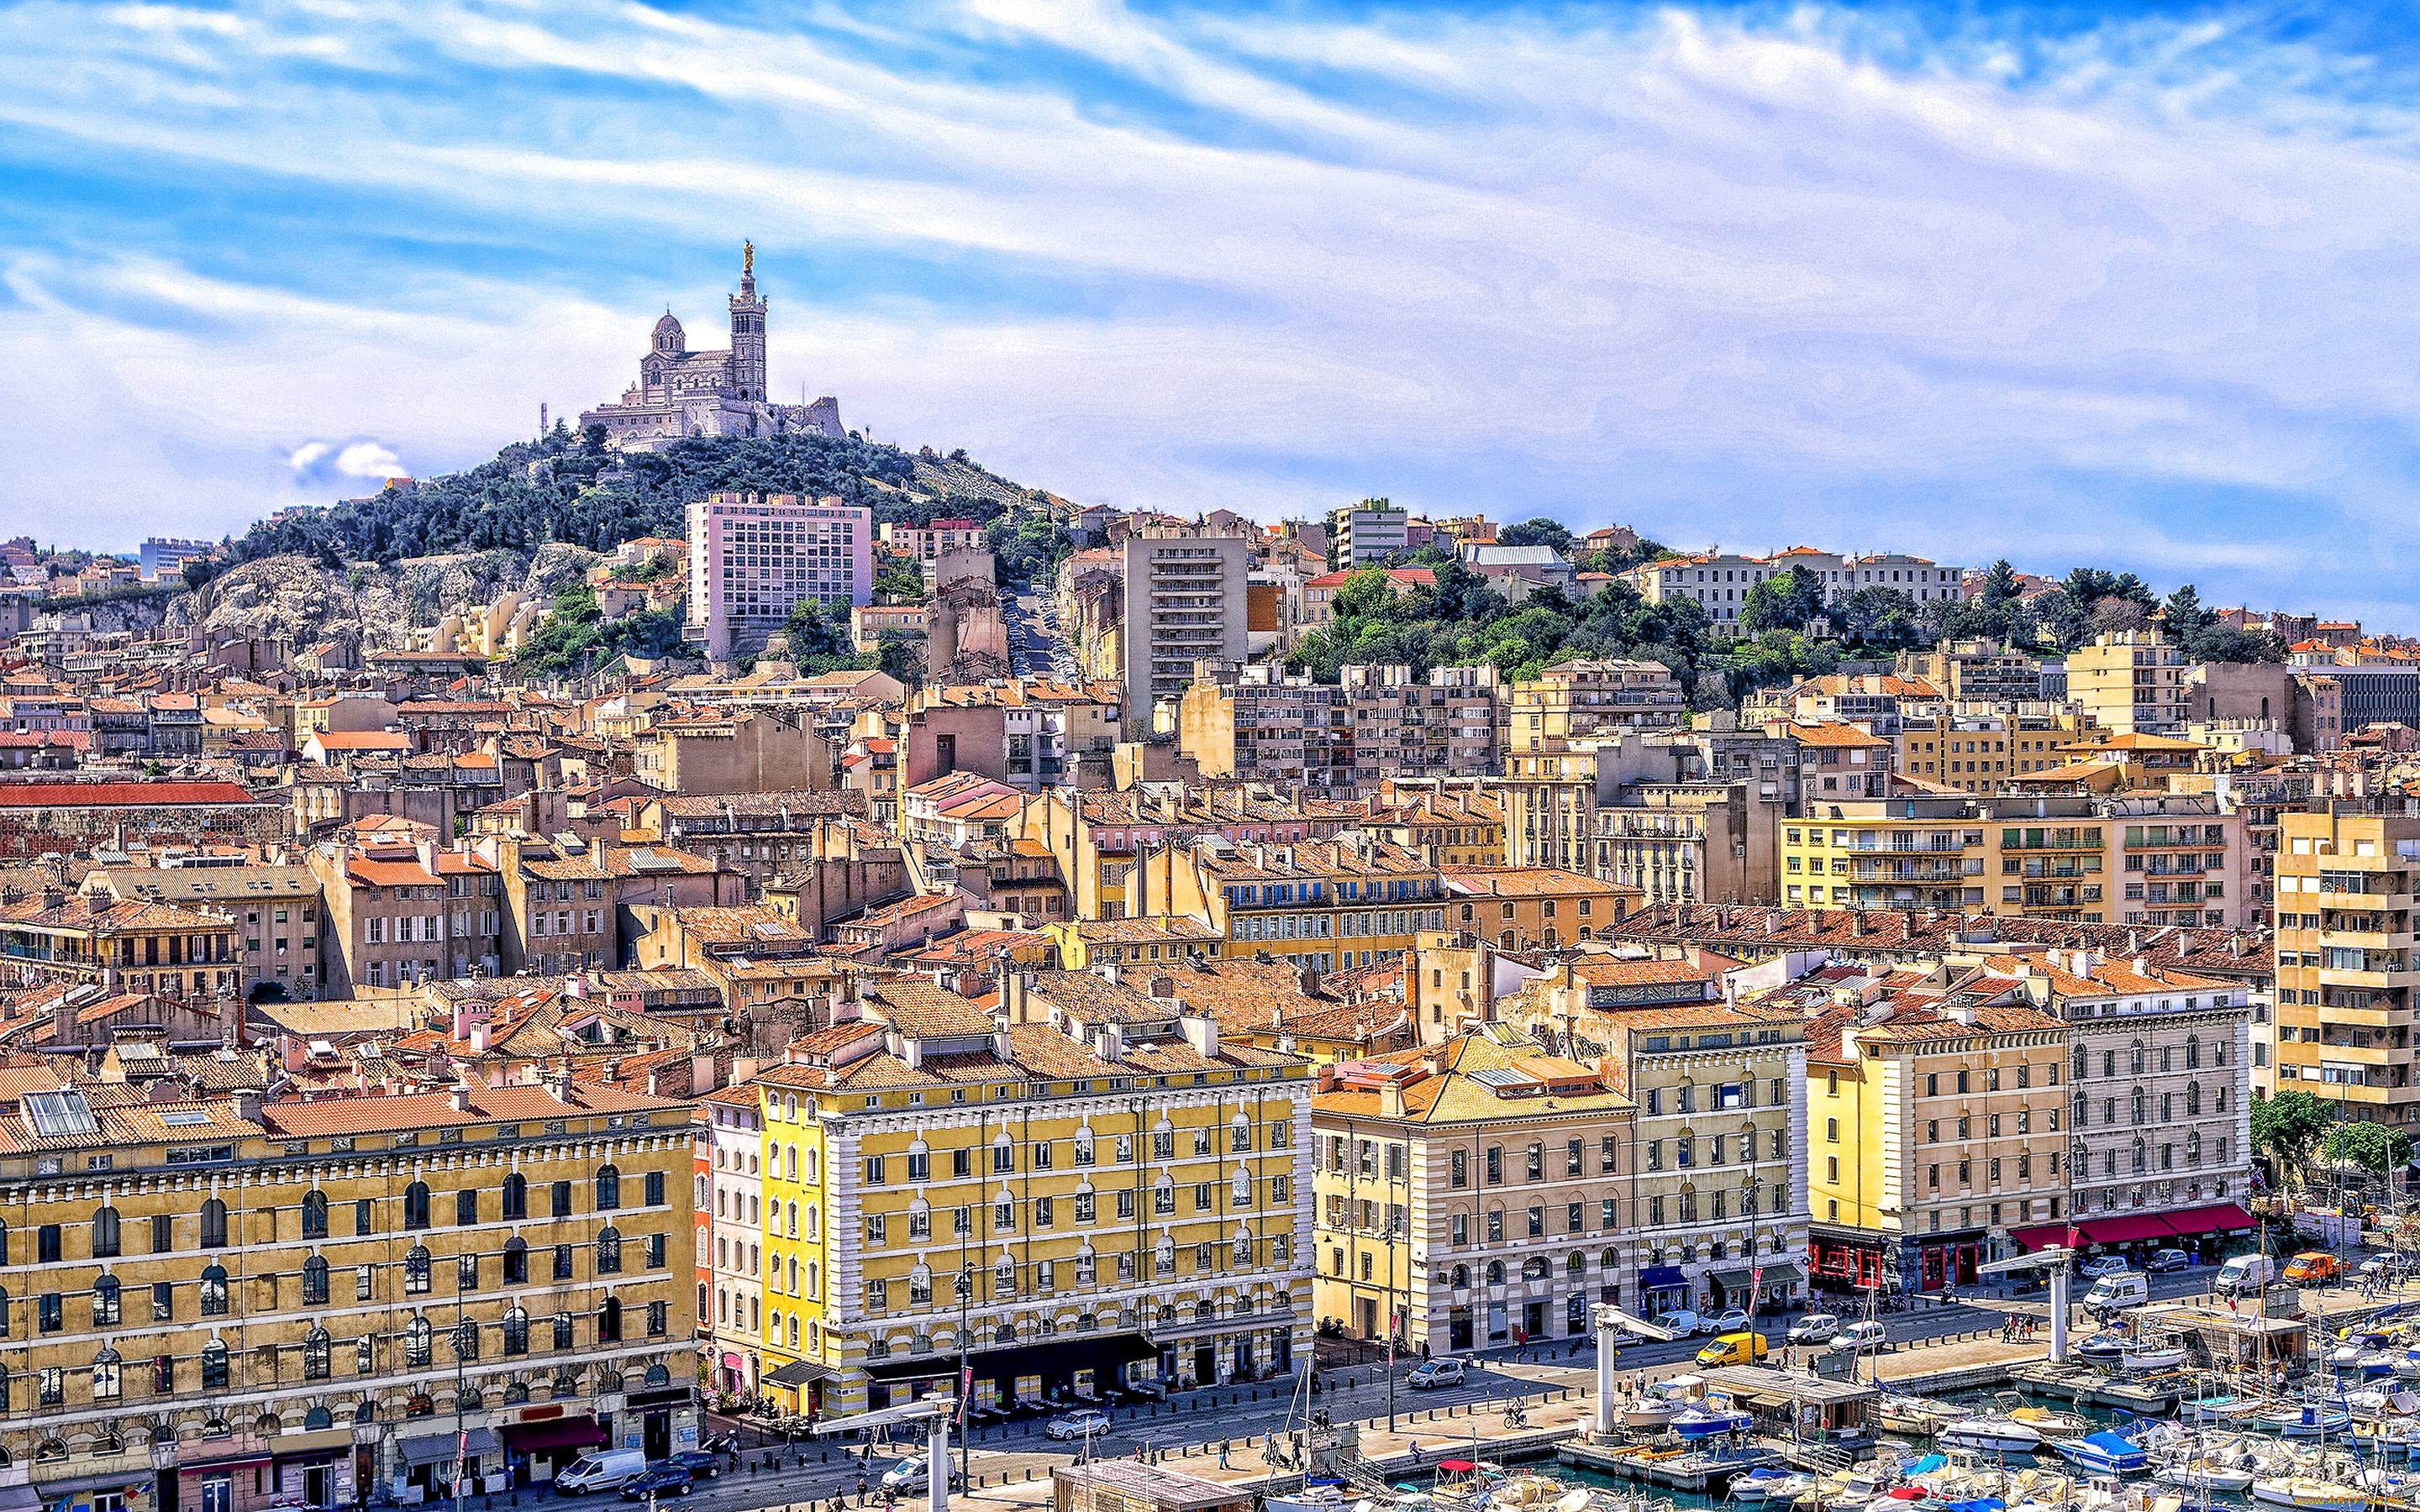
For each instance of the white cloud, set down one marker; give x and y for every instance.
(1736, 284)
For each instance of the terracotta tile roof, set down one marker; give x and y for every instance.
(1528, 882)
(424, 1110)
(121, 795)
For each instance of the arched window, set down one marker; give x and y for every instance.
(214, 1224)
(2193, 1052)
(563, 1335)
(105, 1384)
(1534, 1268)
(2193, 1100)
(1495, 1273)
(1461, 1276)
(2138, 1152)
(105, 1312)
(214, 1366)
(2082, 1110)
(608, 1250)
(415, 1205)
(317, 1419)
(1609, 1261)
(609, 1188)
(315, 1280)
(1576, 1263)
(2192, 1147)
(415, 1270)
(516, 1332)
(2079, 1065)
(315, 1215)
(466, 1340)
(516, 1262)
(1004, 1334)
(516, 1196)
(2139, 1104)
(104, 1233)
(316, 1356)
(609, 1321)
(214, 1290)
(2134, 1059)
(416, 1342)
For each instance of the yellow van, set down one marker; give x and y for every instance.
(1733, 1349)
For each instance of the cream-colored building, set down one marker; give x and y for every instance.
(2345, 966)
(1470, 1193)
(2131, 682)
(1721, 1106)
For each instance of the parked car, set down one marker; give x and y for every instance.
(1684, 1323)
(1077, 1425)
(1815, 1327)
(2389, 1266)
(1728, 1322)
(1733, 1349)
(2245, 1273)
(600, 1469)
(2101, 1265)
(700, 1463)
(1430, 1373)
(915, 1474)
(659, 1480)
(2164, 1260)
(1865, 1337)
(2314, 1268)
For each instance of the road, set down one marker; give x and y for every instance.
(1033, 646)
(1353, 1392)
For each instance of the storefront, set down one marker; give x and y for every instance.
(316, 1465)
(424, 1466)
(1662, 1289)
(1948, 1261)
(127, 1485)
(1058, 1374)
(2205, 1234)
(1774, 1286)
(801, 1385)
(659, 1418)
(546, 1440)
(217, 1479)
(1217, 1351)
(1845, 1259)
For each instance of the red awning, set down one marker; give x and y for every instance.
(2040, 1237)
(2211, 1220)
(562, 1433)
(1460, 1467)
(2126, 1230)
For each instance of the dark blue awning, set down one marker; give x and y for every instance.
(1656, 1277)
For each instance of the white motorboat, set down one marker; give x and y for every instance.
(1993, 1432)
(1768, 1484)
(2201, 1475)
(2153, 1356)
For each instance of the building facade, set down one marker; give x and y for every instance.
(753, 558)
(1187, 601)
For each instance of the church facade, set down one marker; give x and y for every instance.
(681, 393)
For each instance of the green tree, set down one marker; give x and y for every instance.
(1787, 602)
(2182, 615)
(819, 638)
(2221, 641)
(1538, 531)
(2373, 1147)
(2289, 1125)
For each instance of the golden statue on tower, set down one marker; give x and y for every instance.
(748, 259)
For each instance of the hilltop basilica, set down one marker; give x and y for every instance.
(682, 393)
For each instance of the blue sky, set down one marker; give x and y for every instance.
(2121, 285)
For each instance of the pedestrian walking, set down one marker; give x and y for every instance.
(861, 1491)
(1223, 1454)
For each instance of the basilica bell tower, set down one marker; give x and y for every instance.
(748, 329)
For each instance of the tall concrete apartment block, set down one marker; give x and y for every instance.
(1371, 530)
(1185, 602)
(2344, 968)
(2131, 682)
(751, 557)
(166, 558)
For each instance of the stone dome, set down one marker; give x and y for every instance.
(669, 335)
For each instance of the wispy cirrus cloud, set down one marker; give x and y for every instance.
(1948, 280)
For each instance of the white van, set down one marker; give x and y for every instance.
(2123, 1288)
(2244, 1274)
(599, 1472)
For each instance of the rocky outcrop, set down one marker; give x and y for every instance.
(298, 600)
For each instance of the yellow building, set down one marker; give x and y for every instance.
(1324, 905)
(1473, 1193)
(1934, 1106)
(1533, 908)
(218, 1303)
(2345, 964)
(1084, 942)
(1087, 1189)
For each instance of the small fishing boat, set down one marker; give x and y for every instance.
(2104, 1453)
(2103, 1349)
(2303, 1420)
(2148, 1355)
(2042, 1420)
(1768, 1483)
(1698, 1421)
(2201, 1475)
(2309, 1494)
(1318, 1494)
(2218, 1406)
